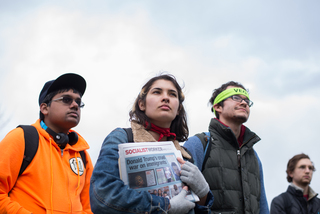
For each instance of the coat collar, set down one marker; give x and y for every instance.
(140, 134)
(311, 193)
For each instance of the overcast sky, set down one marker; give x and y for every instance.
(271, 47)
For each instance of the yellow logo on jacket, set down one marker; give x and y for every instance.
(74, 165)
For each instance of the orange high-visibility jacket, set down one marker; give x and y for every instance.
(54, 182)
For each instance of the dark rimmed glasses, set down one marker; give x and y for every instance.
(239, 100)
(68, 100)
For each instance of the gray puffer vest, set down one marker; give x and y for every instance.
(233, 172)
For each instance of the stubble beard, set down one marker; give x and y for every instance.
(241, 119)
(304, 183)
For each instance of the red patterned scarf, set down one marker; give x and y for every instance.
(164, 132)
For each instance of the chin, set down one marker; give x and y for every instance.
(306, 182)
(72, 123)
(241, 119)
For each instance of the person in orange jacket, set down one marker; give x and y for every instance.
(57, 180)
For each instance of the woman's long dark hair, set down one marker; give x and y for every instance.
(178, 125)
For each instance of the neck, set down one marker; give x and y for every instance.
(160, 134)
(235, 127)
(45, 124)
(304, 188)
(156, 136)
(161, 124)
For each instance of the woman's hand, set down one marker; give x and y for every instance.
(179, 204)
(191, 175)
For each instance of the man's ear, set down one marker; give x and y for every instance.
(217, 108)
(142, 107)
(44, 108)
(290, 174)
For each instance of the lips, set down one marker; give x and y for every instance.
(165, 107)
(73, 114)
(242, 109)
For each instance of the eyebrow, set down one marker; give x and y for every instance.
(239, 95)
(66, 94)
(310, 166)
(171, 90)
(157, 89)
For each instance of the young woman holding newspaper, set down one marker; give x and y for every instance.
(157, 115)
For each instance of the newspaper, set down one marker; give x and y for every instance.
(153, 167)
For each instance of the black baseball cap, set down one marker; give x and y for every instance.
(69, 80)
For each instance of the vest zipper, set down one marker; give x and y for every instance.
(238, 156)
(240, 172)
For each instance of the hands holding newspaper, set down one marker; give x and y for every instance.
(179, 204)
(144, 157)
(191, 175)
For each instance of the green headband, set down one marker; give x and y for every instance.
(228, 93)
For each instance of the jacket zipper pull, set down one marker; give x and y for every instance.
(238, 156)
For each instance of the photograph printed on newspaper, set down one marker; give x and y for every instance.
(153, 167)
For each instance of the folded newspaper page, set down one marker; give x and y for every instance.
(153, 167)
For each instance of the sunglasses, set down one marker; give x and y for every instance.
(69, 101)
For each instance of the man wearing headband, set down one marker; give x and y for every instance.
(226, 156)
(57, 180)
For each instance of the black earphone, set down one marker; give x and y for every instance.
(63, 139)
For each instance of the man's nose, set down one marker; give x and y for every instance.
(243, 102)
(74, 104)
